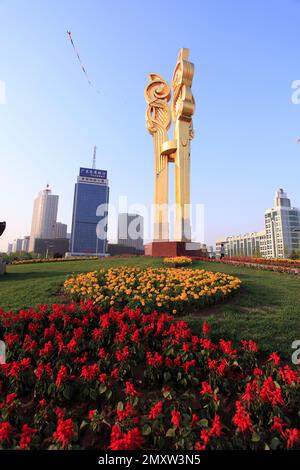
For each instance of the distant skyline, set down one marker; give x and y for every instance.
(246, 125)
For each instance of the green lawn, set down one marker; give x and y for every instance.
(267, 308)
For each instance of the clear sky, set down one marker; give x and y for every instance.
(246, 55)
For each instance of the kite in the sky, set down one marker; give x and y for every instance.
(80, 61)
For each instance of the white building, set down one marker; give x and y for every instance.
(44, 216)
(280, 237)
(61, 230)
(247, 245)
(25, 243)
(131, 230)
(282, 224)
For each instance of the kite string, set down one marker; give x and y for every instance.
(80, 61)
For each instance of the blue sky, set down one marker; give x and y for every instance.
(246, 56)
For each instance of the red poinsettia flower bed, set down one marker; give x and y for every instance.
(276, 265)
(77, 377)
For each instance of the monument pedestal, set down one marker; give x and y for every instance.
(173, 248)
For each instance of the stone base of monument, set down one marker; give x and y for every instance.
(173, 248)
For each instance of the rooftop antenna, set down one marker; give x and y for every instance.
(94, 157)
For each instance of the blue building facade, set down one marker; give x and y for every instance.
(90, 210)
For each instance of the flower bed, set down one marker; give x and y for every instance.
(252, 263)
(289, 263)
(178, 261)
(79, 378)
(54, 260)
(162, 289)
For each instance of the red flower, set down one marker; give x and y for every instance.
(195, 419)
(205, 328)
(11, 339)
(65, 432)
(274, 358)
(128, 412)
(249, 345)
(205, 436)
(130, 390)
(278, 425)
(155, 410)
(250, 392)
(123, 354)
(61, 376)
(47, 350)
(207, 390)
(207, 344)
(270, 392)
(289, 375)
(176, 417)
(26, 435)
(136, 337)
(97, 334)
(103, 378)
(91, 414)
(125, 441)
(257, 372)
(216, 427)
(115, 373)
(226, 347)
(72, 345)
(155, 359)
(293, 436)
(5, 431)
(10, 398)
(241, 418)
(90, 372)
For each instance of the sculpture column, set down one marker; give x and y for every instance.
(158, 120)
(183, 107)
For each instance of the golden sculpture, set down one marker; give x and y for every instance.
(158, 121)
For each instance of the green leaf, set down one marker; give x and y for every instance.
(275, 443)
(102, 388)
(120, 406)
(203, 422)
(67, 393)
(83, 424)
(255, 437)
(146, 430)
(170, 432)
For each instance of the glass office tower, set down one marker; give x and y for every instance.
(89, 222)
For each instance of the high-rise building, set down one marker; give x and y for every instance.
(9, 248)
(44, 216)
(131, 231)
(279, 239)
(89, 221)
(17, 245)
(61, 230)
(282, 224)
(25, 243)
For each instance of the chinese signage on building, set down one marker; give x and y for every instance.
(93, 173)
